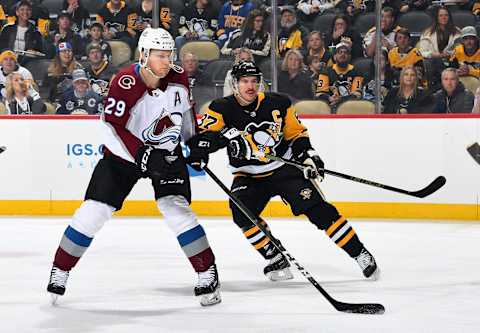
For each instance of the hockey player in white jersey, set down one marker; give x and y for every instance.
(147, 113)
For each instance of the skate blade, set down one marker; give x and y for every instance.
(280, 275)
(375, 275)
(53, 299)
(210, 299)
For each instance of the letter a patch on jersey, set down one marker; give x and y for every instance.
(177, 98)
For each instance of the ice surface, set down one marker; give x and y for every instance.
(134, 278)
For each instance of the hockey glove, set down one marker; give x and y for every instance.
(238, 146)
(198, 158)
(152, 162)
(314, 164)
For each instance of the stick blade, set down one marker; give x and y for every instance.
(367, 308)
(431, 188)
(2, 149)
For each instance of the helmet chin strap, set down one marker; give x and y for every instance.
(236, 92)
(147, 68)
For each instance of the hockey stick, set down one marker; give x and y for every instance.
(366, 308)
(2, 149)
(435, 185)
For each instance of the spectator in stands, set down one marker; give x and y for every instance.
(293, 80)
(476, 8)
(466, 56)
(64, 33)
(315, 66)
(411, 5)
(438, 41)
(253, 35)
(409, 97)
(316, 47)
(80, 16)
(59, 75)
(342, 32)
(231, 17)
(476, 103)
(389, 30)
(404, 55)
(8, 63)
(386, 79)
(196, 76)
(119, 21)
(81, 99)
(96, 37)
(292, 34)
(199, 21)
(40, 16)
(453, 97)
(243, 54)
(22, 35)
(355, 8)
(3, 16)
(144, 17)
(99, 69)
(20, 99)
(308, 10)
(341, 81)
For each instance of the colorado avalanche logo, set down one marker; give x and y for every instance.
(163, 132)
(126, 82)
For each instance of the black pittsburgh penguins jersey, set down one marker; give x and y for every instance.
(270, 126)
(340, 81)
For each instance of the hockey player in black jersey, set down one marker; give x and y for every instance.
(249, 123)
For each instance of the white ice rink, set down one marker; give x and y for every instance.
(134, 278)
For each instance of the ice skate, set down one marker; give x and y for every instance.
(56, 285)
(368, 265)
(207, 287)
(278, 269)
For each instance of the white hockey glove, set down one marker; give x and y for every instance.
(314, 164)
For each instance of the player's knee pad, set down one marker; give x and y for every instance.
(177, 213)
(323, 215)
(91, 217)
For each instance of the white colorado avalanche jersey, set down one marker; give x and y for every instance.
(135, 115)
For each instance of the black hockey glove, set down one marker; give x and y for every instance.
(152, 162)
(314, 164)
(198, 158)
(238, 146)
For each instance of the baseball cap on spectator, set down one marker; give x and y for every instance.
(468, 31)
(342, 46)
(79, 74)
(290, 9)
(6, 54)
(64, 46)
(64, 13)
(94, 46)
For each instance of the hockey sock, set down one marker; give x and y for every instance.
(343, 234)
(260, 241)
(72, 246)
(195, 245)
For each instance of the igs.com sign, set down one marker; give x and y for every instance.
(83, 155)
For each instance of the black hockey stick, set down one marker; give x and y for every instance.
(366, 308)
(2, 149)
(435, 185)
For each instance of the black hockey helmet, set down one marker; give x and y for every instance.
(246, 68)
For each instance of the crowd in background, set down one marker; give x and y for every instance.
(62, 62)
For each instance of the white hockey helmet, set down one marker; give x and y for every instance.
(155, 39)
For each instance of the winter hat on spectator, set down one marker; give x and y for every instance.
(468, 31)
(79, 74)
(290, 9)
(342, 46)
(64, 46)
(94, 46)
(6, 54)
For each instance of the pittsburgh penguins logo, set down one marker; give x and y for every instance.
(126, 82)
(306, 193)
(264, 137)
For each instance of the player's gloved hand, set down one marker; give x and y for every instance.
(240, 148)
(314, 164)
(152, 162)
(199, 150)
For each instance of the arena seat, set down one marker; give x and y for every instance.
(176, 6)
(362, 65)
(364, 22)
(356, 107)
(312, 107)
(121, 52)
(39, 69)
(204, 50)
(51, 109)
(463, 18)
(217, 69)
(323, 23)
(470, 82)
(3, 109)
(416, 22)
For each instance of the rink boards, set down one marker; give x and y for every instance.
(49, 160)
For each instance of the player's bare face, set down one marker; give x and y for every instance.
(159, 62)
(248, 88)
